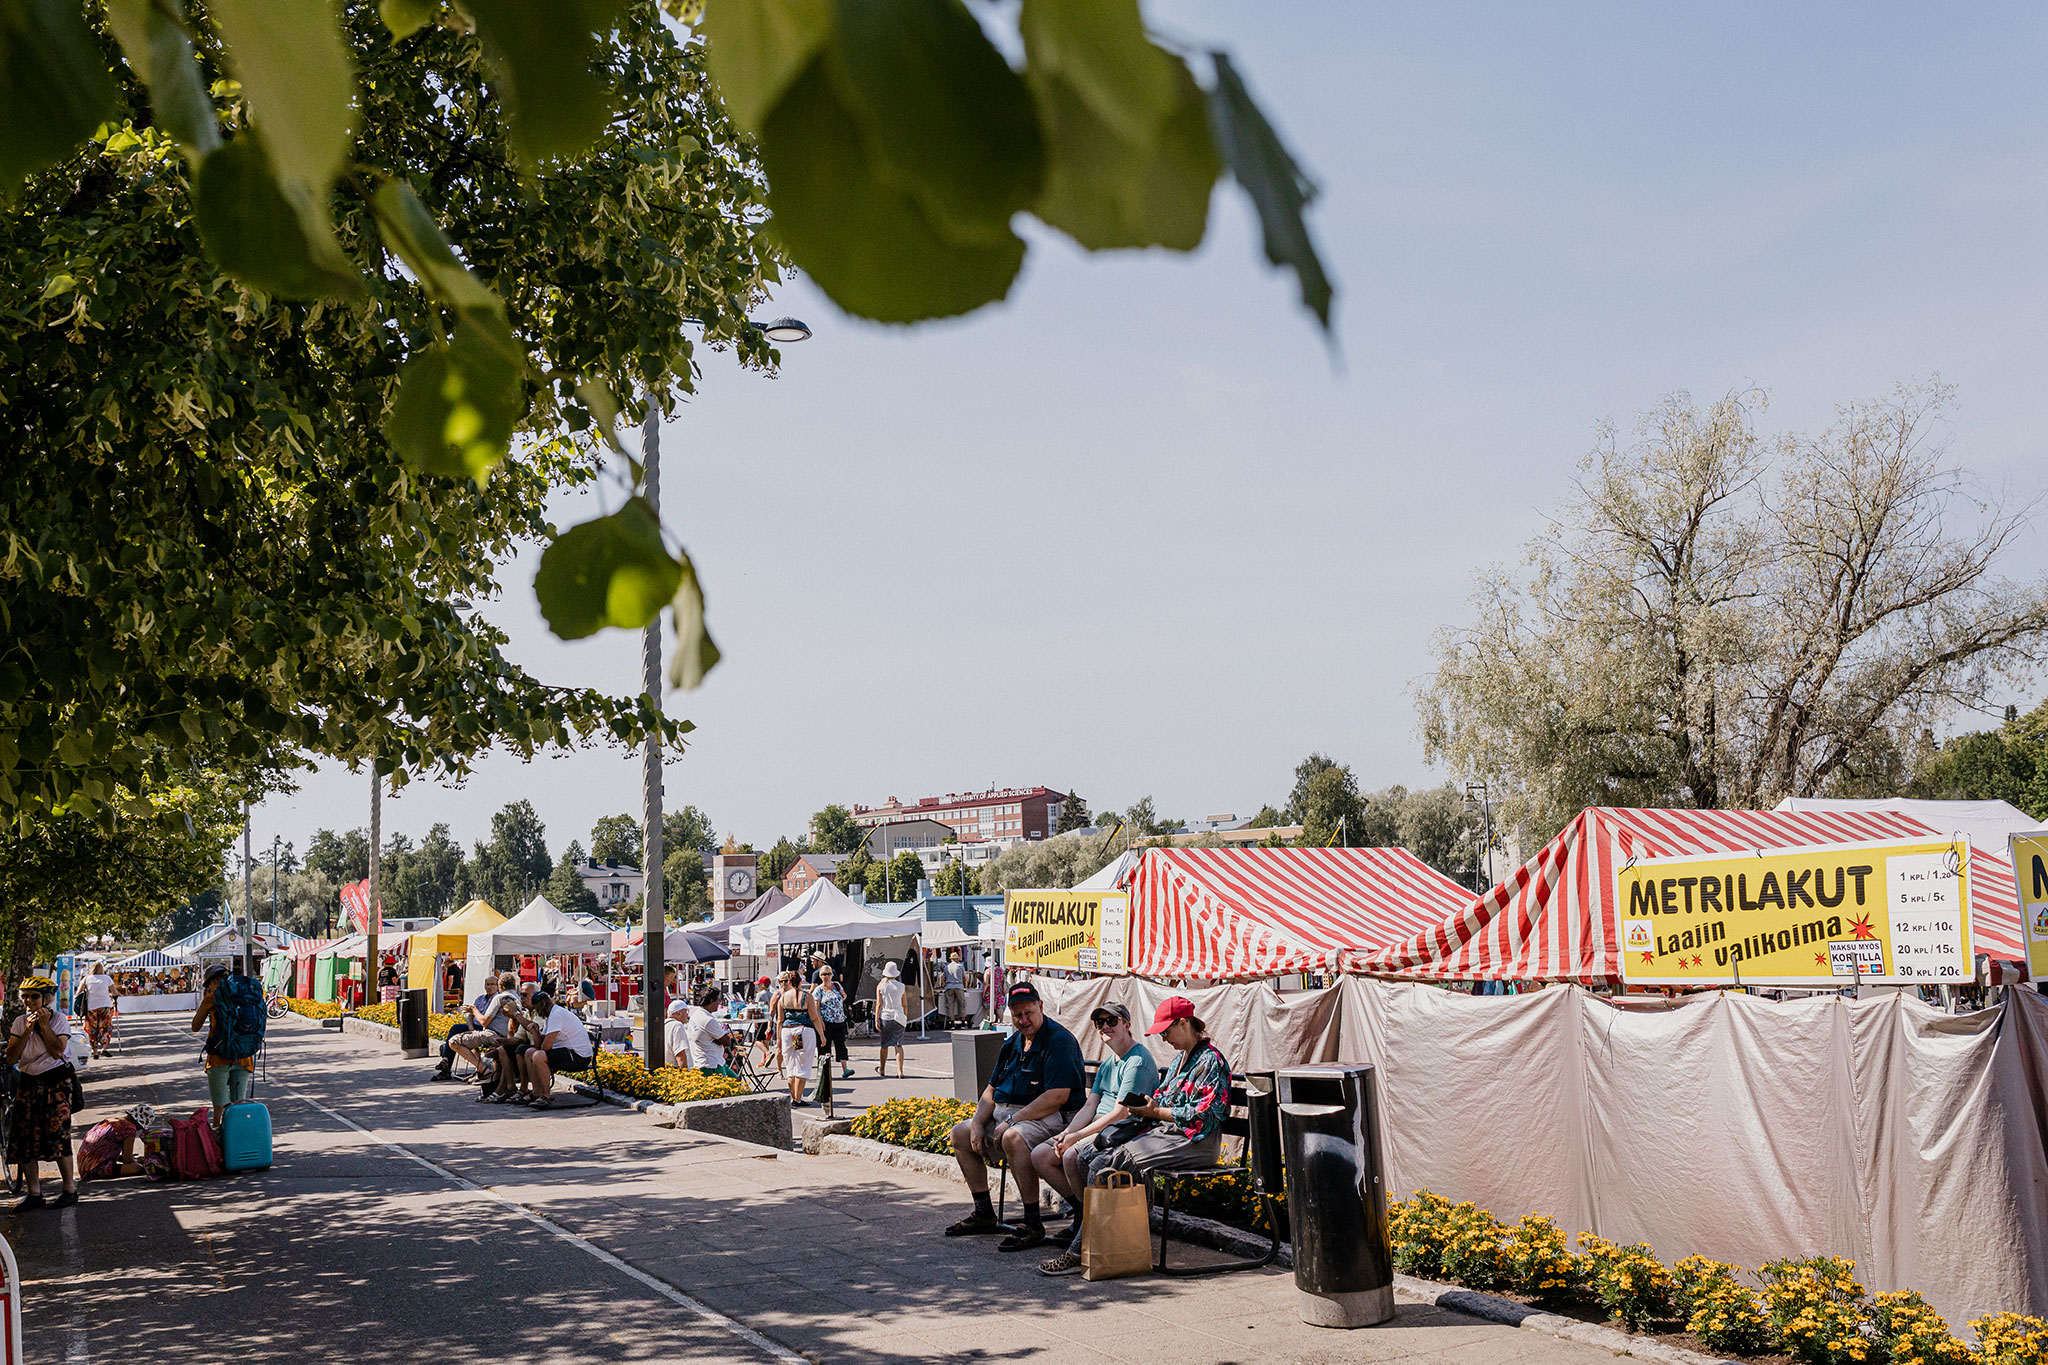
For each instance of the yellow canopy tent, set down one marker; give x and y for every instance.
(451, 935)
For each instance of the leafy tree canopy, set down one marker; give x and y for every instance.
(1073, 815)
(616, 838)
(565, 884)
(2006, 764)
(833, 831)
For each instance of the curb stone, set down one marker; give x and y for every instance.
(1506, 1311)
(1237, 1242)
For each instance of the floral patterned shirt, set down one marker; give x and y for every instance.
(831, 1004)
(1197, 1091)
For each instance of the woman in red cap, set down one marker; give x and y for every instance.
(1187, 1110)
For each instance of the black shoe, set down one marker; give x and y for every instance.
(440, 1075)
(29, 1201)
(65, 1199)
(1024, 1238)
(976, 1224)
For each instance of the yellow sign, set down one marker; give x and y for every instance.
(1085, 931)
(2030, 872)
(1896, 913)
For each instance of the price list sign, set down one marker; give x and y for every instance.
(1930, 940)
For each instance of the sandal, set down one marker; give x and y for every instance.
(547, 1103)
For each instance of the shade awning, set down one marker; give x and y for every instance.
(823, 914)
(149, 960)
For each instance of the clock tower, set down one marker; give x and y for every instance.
(732, 881)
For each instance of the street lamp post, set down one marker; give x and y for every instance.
(1486, 847)
(653, 915)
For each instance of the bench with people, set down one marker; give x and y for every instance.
(516, 1038)
(1041, 1119)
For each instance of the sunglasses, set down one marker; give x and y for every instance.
(1106, 1023)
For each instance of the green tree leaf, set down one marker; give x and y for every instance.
(942, 110)
(544, 56)
(1278, 187)
(415, 238)
(54, 87)
(258, 234)
(1098, 50)
(157, 48)
(867, 243)
(295, 72)
(406, 17)
(457, 404)
(696, 654)
(1107, 190)
(756, 48)
(613, 571)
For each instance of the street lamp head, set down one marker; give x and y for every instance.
(784, 331)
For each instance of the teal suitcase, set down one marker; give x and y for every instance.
(245, 1137)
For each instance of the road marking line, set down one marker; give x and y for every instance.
(76, 1351)
(661, 1287)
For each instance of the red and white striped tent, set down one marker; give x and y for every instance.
(1246, 913)
(1555, 920)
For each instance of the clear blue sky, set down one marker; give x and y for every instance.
(1133, 532)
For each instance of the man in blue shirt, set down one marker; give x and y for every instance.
(1037, 1084)
(1069, 1160)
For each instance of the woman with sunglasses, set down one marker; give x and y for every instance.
(41, 1127)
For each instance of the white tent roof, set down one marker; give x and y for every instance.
(149, 960)
(541, 928)
(1984, 823)
(357, 945)
(943, 933)
(1107, 878)
(823, 914)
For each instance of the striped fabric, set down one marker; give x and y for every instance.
(1245, 913)
(1553, 920)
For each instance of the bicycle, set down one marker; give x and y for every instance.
(274, 1003)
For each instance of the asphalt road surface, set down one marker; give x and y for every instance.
(444, 1247)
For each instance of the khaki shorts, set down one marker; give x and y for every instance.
(1036, 1131)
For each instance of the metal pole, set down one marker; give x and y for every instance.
(654, 994)
(375, 918)
(248, 897)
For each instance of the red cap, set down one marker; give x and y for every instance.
(1171, 1008)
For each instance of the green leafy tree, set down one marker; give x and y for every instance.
(414, 882)
(1268, 818)
(686, 891)
(834, 831)
(616, 838)
(565, 884)
(1328, 806)
(1142, 820)
(955, 878)
(2007, 764)
(341, 858)
(1073, 815)
(906, 870)
(860, 869)
(1720, 619)
(688, 828)
(774, 865)
(1056, 862)
(242, 506)
(515, 863)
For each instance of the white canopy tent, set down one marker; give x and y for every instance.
(943, 934)
(823, 914)
(1110, 875)
(538, 929)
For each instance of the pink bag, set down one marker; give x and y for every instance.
(195, 1151)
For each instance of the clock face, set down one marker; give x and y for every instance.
(739, 881)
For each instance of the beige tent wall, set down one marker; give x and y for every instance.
(1912, 1141)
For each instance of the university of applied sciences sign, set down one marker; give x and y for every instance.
(2030, 871)
(1896, 913)
(1084, 931)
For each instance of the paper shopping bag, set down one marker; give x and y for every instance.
(1116, 1228)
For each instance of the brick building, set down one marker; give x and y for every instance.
(999, 815)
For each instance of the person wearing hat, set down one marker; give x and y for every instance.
(227, 1078)
(1187, 1112)
(40, 1127)
(890, 1020)
(1069, 1161)
(696, 1035)
(1037, 1083)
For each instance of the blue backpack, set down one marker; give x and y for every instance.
(239, 1011)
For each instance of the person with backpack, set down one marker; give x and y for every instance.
(232, 1012)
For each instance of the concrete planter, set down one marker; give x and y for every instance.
(760, 1120)
(363, 1028)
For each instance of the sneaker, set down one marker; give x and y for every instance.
(846, 1074)
(1024, 1238)
(976, 1224)
(65, 1199)
(1066, 1263)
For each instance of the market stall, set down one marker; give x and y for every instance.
(430, 949)
(154, 982)
(536, 931)
(825, 914)
(1556, 918)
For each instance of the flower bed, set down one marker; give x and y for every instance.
(625, 1074)
(386, 1013)
(315, 1009)
(1813, 1310)
(924, 1125)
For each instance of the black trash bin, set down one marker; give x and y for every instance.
(1336, 1198)
(412, 1023)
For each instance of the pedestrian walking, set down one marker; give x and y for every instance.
(41, 1126)
(99, 992)
(231, 1011)
(796, 1027)
(890, 1021)
(832, 1009)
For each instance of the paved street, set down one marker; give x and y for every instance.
(403, 1222)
